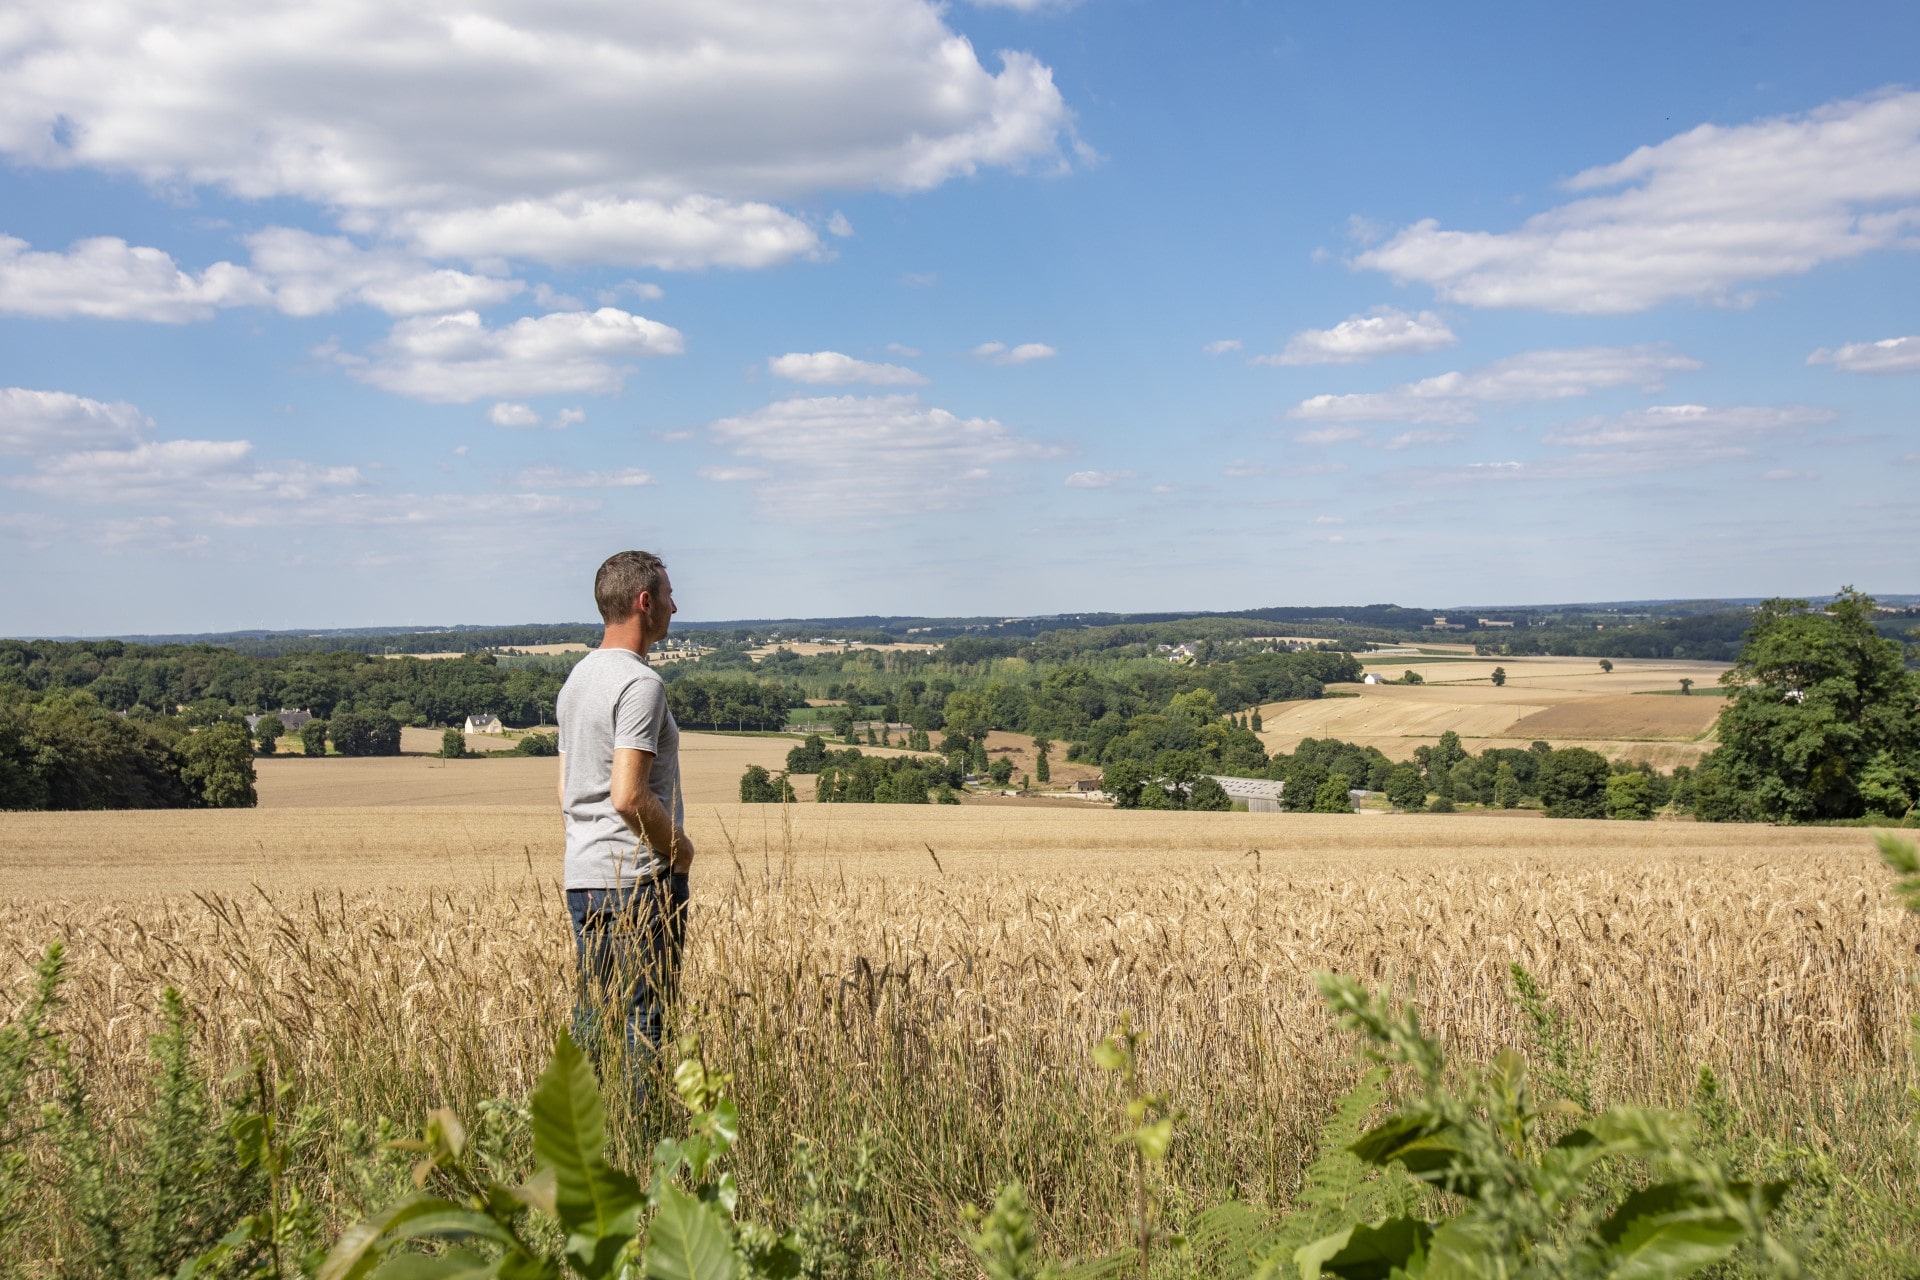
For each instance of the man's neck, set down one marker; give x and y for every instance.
(630, 635)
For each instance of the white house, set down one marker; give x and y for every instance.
(485, 724)
(1373, 677)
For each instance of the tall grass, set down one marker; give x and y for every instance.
(948, 1018)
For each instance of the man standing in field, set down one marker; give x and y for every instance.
(627, 847)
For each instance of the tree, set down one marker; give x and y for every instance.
(1686, 686)
(1123, 780)
(1209, 796)
(1407, 788)
(1629, 797)
(757, 786)
(216, 763)
(313, 737)
(1256, 724)
(453, 744)
(1606, 665)
(1499, 676)
(364, 733)
(537, 744)
(1042, 770)
(1412, 677)
(1332, 797)
(977, 756)
(1823, 722)
(267, 733)
(1506, 788)
(808, 756)
(1001, 771)
(1573, 782)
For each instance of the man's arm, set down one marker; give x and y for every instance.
(642, 811)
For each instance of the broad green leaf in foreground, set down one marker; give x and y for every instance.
(689, 1240)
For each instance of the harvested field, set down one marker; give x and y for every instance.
(1565, 701)
(710, 769)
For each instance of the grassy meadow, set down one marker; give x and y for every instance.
(934, 978)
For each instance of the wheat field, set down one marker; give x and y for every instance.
(934, 977)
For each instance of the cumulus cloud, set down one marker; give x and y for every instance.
(108, 279)
(312, 274)
(601, 131)
(1453, 398)
(685, 234)
(509, 414)
(870, 456)
(39, 422)
(1889, 355)
(565, 478)
(1381, 332)
(828, 368)
(1330, 436)
(1424, 436)
(457, 359)
(1701, 215)
(179, 472)
(1097, 479)
(1689, 428)
(1025, 353)
(1220, 346)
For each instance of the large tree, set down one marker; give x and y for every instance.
(1823, 721)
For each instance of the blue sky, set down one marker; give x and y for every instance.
(312, 315)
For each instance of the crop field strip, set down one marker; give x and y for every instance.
(855, 983)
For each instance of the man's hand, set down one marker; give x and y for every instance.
(682, 851)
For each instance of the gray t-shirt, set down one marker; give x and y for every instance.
(612, 699)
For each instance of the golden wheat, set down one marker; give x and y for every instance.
(945, 999)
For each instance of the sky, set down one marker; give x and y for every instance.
(351, 314)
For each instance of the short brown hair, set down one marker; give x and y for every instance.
(622, 578)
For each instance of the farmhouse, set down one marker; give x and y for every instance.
(1258, 794)
(1373, 677)
(484, 724)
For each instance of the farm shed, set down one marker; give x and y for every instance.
(484, 724)
(289, 720)
(1258, 794)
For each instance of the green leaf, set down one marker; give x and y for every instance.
(1397, 1245)
(1675, 1229)
(361, 1245)
(598, 1205)
(1423, 1147)
(457, 1265)
(689, 1241)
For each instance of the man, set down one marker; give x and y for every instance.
(627, 847)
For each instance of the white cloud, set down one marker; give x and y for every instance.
(642, 289)
(1689, 428)
(870, 456)
(1097, 479)
(1026, 352)
(106, 278)
(838, 225)
(563, 478)
(1784, 473)
(181, 473)
(898, 349)
(826, 368)
(311, 274)
(600, 131)
(1700, 215)
(568, 418)
(1451, 398)
(731, 475)
(1330, 436)
(1423, 436)
(1220, 346)
(456, 359)
(1329, 520)
(1889, 355)
(37, 422)
(508, 414)
(682, 235)
(1381, 332)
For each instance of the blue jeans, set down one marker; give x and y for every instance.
(627, 944)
